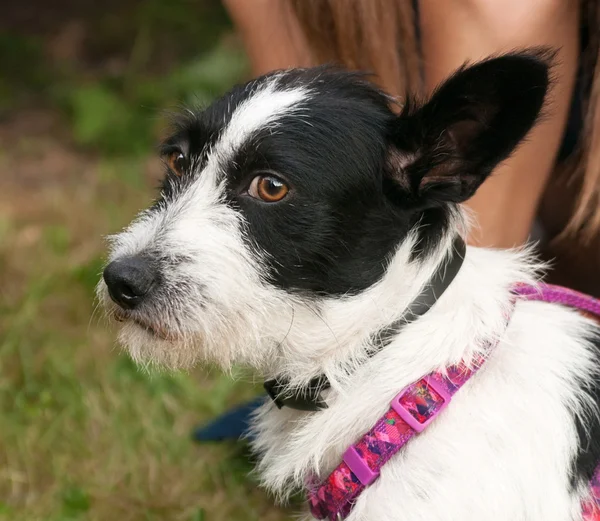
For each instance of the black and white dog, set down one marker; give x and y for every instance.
(299, 217)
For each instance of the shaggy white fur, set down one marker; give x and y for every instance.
(501, 451)
(215, 305)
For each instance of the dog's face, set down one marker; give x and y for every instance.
(297, 187)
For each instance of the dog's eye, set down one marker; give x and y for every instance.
(177, 162)
(268, 188)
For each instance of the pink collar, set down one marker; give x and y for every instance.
(411, 411)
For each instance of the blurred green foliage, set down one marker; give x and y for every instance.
(168, 53)
(121, 117)
(15, 77)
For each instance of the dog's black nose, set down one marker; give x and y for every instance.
(129, 280)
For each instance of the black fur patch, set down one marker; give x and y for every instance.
(472, 122)
(360, 176)
(335, 231)
(588, 452)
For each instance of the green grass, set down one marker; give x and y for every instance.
(85, 435)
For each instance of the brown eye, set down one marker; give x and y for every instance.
(268, 188)
(177, 162)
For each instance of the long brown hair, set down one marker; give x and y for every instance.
(374, 35)
(379, 35)
(586, 167)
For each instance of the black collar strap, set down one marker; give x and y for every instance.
(309, 398)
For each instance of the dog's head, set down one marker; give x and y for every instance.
(298, 187)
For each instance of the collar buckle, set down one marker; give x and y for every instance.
(420, 403)
(273, 388)
(305, 399)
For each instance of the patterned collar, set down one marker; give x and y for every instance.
(411, 411)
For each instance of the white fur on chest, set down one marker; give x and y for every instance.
(501, 451)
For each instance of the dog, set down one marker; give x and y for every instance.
(301, 216)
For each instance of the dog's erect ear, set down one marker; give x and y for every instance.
(444, 150)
